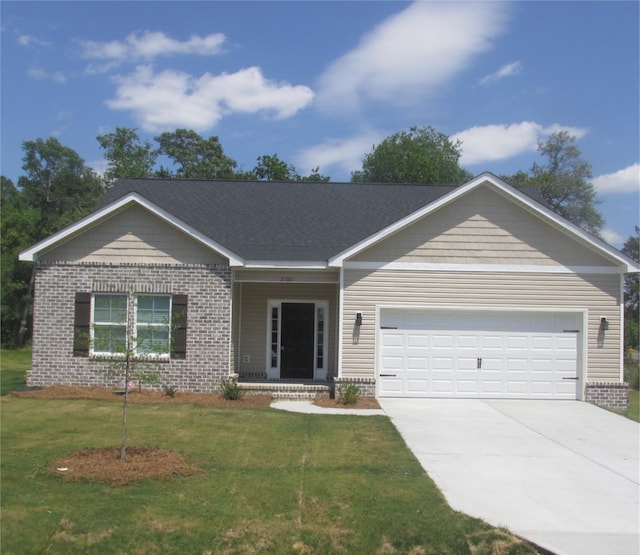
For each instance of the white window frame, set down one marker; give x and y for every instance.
(136, 324)
(130, 325)
(93, 324)
(319, 372)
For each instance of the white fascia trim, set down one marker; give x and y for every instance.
(509, 191)
(484, 268)
(285, 265)
(31, 254)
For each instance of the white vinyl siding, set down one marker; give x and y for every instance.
(134, 235)
(365, 291)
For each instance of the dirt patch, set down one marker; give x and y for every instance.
(105, 465)
(145, 396)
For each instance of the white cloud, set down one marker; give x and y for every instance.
(28, 40)
(347, 154)
(41, 74)
(612, 237)
(626, 180)
(150, 45)
(489, 143)
(507, 70)
(171, 99)
(411, 54)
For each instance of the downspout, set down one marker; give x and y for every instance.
(621, 305)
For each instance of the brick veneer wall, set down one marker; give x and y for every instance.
(367, 385)
(612, 395)
(208, 288)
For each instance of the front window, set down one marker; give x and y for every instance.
(153, 323)
(110, 324)
(149, 327)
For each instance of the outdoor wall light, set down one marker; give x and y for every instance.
(358, 318)
(604, 323)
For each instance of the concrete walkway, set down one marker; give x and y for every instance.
(563, 474)
(309, 408)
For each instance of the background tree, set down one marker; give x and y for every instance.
(17, 227)
(57, 184)
(420, 155)
(563, 181)
(127, 155)
(271, 168)
(632, 294)
(56, 190)
(194, 156)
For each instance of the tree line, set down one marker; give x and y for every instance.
(57, 188)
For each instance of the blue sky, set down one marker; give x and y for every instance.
(320, 83)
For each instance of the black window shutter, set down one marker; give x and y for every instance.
(81, 325)
(179, 326)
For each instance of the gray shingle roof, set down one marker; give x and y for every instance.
(282, 221)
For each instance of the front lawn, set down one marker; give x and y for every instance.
(270, 482)
(14, 364)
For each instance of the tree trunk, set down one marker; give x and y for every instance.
(123, 443)
(27, 308)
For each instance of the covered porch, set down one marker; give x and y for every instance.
(284, 331)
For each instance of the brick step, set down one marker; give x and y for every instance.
(280, 390)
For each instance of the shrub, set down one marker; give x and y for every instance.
(348, 393)
(170, 391)
(230, 390)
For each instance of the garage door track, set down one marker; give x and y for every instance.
(563, 474)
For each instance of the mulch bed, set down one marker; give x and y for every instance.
(144, 396)
(158, 397)
(105, 465)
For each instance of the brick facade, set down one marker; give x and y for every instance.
(208, 288)
(611, 395)
(367, 385)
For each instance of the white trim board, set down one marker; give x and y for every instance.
(484, 268)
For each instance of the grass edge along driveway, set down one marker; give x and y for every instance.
(272, 482)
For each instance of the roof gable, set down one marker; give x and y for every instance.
(109, 210)
(489, 180)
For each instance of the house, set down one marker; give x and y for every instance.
(406, 290)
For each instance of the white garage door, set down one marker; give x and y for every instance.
(478, 354)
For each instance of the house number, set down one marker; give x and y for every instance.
(286, 278)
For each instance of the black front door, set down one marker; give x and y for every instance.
(296, 344)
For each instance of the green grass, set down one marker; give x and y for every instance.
(272, 482)
(14, 364)
(631, 371)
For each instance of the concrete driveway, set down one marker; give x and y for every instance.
(563, 474)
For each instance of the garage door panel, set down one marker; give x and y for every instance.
(465, 363)
(416, 363)
(440, 363)
(442, 341)
(438, 354)
(441, 386)
(417, 386)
